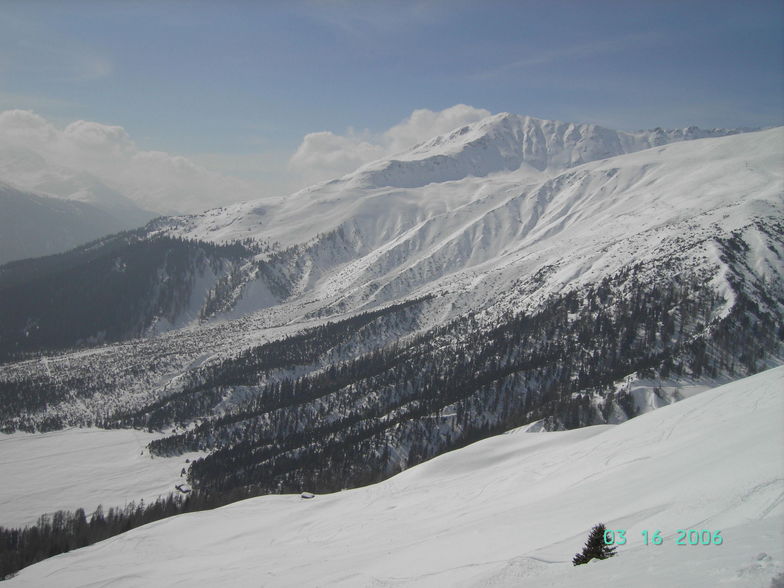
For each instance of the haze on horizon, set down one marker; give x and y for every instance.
(193, 105)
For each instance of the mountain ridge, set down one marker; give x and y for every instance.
(520, 136)
(504, 142)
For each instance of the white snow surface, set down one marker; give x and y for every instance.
(80, 468)
(511, 510)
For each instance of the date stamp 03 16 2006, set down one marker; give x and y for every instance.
(684, 537)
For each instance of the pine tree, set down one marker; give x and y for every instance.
(595, 547)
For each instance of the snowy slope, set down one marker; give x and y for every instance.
(80, 468)
(507, 511)
(31, 171)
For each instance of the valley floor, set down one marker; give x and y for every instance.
(80, 468)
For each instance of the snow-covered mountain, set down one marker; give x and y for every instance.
(510, 510)
(515, 270)
(536, 150)
(511, 238)
(507, 142)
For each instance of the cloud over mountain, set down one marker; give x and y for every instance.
(325, 155)
(155, 180)
(168, 183)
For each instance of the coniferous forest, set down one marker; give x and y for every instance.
(373, 416)
(102, 292)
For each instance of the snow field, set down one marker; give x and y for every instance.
(80, 468)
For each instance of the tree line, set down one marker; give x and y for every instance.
(64, 531)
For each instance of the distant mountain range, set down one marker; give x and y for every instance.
(47, 209)
(33, 225)
(510, 271)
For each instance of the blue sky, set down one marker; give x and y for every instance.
(237, 85)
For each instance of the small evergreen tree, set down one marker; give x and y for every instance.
(595, 547)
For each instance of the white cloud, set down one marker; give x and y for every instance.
(325, 155)
(95, 136)
(26, 128)
(39, 155)
(158, 181)
(424, 124)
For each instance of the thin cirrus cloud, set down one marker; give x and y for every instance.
(45, 53)
(586, 50)
(367, 20)
(38, 153)
(325, 155)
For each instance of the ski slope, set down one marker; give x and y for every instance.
(80, 468)
(511, 510)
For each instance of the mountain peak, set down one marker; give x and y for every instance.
(506, 142)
